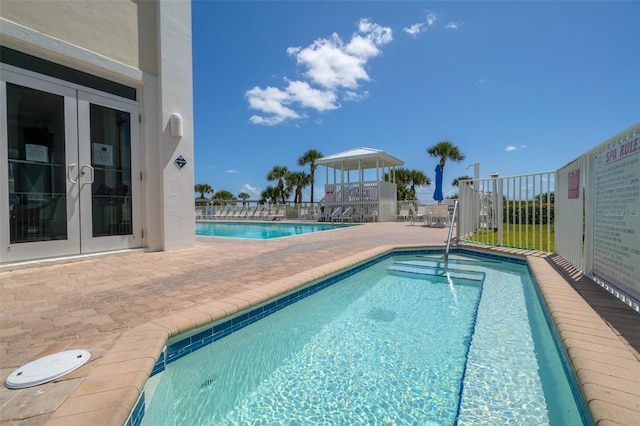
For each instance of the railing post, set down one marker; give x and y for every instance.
(499, 215)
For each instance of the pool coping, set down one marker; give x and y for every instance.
(607, 369)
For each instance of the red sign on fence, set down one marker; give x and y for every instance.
(574, 184)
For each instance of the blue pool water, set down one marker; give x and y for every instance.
(261, 231)
(398, 342)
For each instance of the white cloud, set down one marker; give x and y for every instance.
(510, 148)
(452, 25)
(414, 29)
(350, 95)
(330, 64)
(482, 82)
(231, 171)
(307, 96)
(271, 101)
(421, 27)
(251, 190)
(431, 18)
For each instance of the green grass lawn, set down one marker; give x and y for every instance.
(520, 236)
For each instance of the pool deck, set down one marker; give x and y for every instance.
(123, 308)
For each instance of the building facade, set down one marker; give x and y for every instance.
(96, 127)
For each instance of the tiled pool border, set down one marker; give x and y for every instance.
(324, 226)
(211, 333)
(567, 365)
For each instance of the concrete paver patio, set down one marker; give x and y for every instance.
(123, 308)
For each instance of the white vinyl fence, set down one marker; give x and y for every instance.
(514, 211)
(588, 212)
(598, 215)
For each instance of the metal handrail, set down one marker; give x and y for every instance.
(453, 218)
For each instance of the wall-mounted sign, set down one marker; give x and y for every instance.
(574, 184)
(37, 153)
(617, 216)
(102, 154)
(180, 161)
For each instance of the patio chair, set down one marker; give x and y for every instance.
(314, 213)
(438, 217)
(370, 216)
(419, 215)
(406, 209)
(359, 214)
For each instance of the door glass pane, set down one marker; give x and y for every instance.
(111, 160)
(36, 156)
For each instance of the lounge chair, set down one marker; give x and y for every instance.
(438, 217)
(239, 213)
(346, 214)
(308, 213)
(267, 212)
(274, 213)
(231, 213)
(254, 213)
(219, 213)
(335, 214)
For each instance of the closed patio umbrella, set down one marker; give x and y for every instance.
(437, 194)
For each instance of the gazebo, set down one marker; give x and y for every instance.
(374, 199)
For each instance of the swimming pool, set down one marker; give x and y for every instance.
(396, 341)
(261, 231)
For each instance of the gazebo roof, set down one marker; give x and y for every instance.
(359, 159)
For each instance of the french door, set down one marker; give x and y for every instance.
(69, 170)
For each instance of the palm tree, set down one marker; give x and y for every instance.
(223, 195)
(270, 194)
(244, 197)
(456, 181)
(298, 180)
(279, 173)
(416, 178)
(203, 188)
(310, 158)
(446, 151)
(406, 178)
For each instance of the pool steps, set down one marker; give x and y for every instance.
(429, 270)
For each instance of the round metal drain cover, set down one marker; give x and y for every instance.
(46, 369)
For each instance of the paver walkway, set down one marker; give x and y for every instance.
(90, 304)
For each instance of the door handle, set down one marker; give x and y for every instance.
(69, 170)
(91, 173)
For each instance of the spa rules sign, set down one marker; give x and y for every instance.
(617, 215)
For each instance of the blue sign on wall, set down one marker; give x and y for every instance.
(180, 161)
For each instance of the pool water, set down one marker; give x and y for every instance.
(260, 231)
(400, 342)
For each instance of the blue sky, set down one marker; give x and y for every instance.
(519, 87)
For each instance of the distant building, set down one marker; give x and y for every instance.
(96, 127)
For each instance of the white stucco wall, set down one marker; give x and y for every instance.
(144, 44)
(175, 66)
(85, 24)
